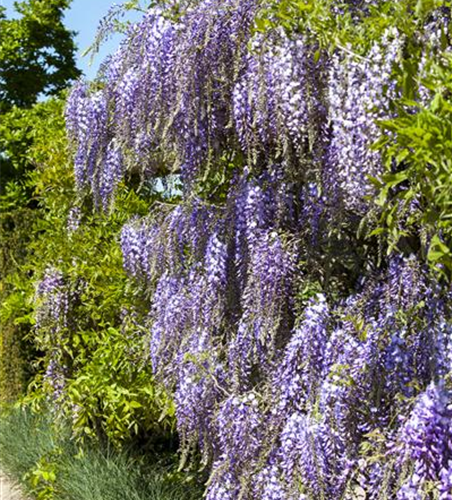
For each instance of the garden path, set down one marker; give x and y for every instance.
(8, 490)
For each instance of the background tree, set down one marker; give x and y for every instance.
(36, 59)
(36, 53)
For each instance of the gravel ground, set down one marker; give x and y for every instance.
(8, 491)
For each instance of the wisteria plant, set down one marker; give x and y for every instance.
(286, 294)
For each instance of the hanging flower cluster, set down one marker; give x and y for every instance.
(55, 302)
(52, 295)
(275, 100)
(359, 93)
(425, 438)
(53, 298)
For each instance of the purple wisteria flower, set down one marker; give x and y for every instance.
(426, 436)
(299, 375)
(53, 301)
(224, 486)
(270, 485)
(264, 303)
(360, 91)
(239, 424)
(271, 98)
(55, 376)
(445, 487)
(74, 219)
(110, 175)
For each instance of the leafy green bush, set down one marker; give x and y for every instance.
(107, 378)
(20, 132)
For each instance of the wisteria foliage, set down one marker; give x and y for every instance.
(286, 396)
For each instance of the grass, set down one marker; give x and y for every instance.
(49, 465)
(24, 439)
(101, 476)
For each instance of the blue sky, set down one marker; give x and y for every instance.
(83, 17)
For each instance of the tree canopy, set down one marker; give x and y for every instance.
(36, 52)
